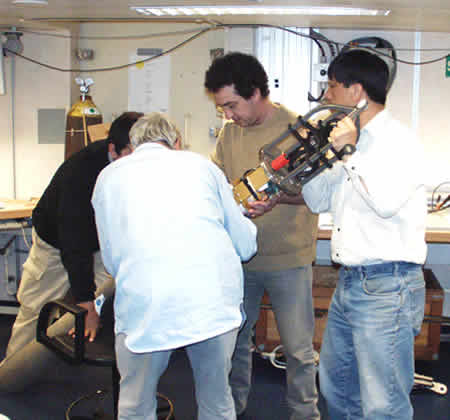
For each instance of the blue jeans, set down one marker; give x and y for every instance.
(367, 357)
(290, 293)
(211, 364)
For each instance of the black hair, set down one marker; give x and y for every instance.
(243, 71)
(120, 129)
(359, 66)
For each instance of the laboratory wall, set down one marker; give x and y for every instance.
(25, 165)
(188, 103)
(434, 109)
(419, 96)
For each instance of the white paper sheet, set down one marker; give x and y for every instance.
(149, 84)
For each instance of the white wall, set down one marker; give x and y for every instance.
(419, 98)
(34, 87)
(189, 106)
(28, 88)
(37, 87)
(419, 95)
(434, 107)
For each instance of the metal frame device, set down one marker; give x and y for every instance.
(298, 155)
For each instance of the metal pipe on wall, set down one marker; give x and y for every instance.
(13, 123)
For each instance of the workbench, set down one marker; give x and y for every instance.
(325, 276)
(324, 282)
(16, 209)
(438, 228)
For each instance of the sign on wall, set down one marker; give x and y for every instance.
(149, 84)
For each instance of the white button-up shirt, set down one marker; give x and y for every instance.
(173, 238)
(387, 221)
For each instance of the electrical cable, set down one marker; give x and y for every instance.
(11, 291)
(171, 409)
(276, 357)
(421, 382)
(100, 394)
(334, 49)
(332, 44)
(202, 32)
(115, 38)
(414, 63)
(442, 205)
(119, 67)
(433, 205)
(336, 42)
(4, 252)
(316, 38)
(24, 236)
(5, 262)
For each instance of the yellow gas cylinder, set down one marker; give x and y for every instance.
(81, 115)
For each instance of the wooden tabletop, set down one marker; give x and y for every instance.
(438, 227)
(19, 209)
(16, 209)
(431, 236)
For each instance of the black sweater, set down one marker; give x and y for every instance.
(64, 217)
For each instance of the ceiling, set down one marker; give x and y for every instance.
(408, 15)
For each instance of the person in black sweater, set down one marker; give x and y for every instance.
(64, 258)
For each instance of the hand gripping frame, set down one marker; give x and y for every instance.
(298, 155)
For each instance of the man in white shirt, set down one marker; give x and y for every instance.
(173, 238)
(378, 203)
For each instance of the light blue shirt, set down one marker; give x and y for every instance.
(377, 198)
(173, 238)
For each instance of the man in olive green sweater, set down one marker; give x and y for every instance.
(286, 233)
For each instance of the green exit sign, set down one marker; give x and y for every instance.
(447, 66)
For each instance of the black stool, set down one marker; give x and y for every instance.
(100, 352)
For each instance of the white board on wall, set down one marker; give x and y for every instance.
(149, 84)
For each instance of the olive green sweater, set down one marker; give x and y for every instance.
(287, 234)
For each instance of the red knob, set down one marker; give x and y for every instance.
(279, 162)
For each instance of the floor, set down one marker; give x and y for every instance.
(51, 399)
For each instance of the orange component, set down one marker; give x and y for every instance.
(279, 162)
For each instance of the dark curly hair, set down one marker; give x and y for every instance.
(243, 71)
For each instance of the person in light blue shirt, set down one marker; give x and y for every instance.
(173, 238)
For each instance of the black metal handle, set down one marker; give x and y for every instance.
(68, 348)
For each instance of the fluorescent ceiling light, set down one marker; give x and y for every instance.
(41, 2)
(256, 10)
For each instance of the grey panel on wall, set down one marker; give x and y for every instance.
(51, 126)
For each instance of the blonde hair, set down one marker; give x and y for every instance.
(154, 127)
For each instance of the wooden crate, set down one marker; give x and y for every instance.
(325, 278)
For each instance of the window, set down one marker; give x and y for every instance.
(287, 55)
